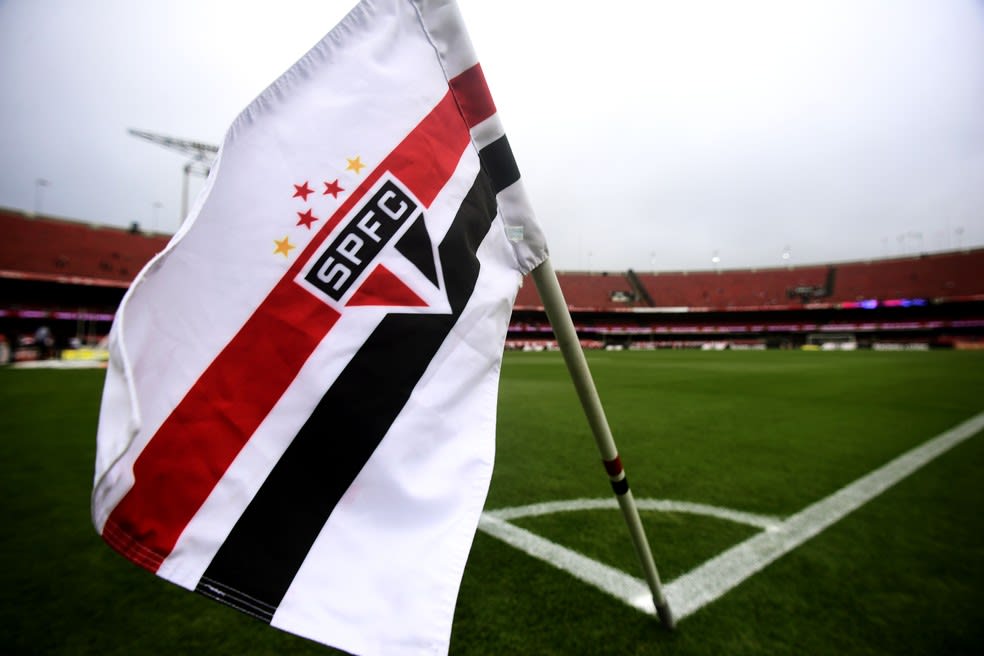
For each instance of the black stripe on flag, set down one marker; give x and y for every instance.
(497, 159)
(258, 561)
(416, 246)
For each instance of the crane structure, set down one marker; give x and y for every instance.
(201, 156)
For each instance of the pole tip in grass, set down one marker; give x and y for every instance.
(666, 616)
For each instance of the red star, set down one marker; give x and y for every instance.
(306, 219)
(302, 191)
(332, 188)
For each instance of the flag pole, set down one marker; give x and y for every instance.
(563, 327)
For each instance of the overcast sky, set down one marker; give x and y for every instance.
(651, 134)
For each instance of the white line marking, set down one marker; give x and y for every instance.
(717, 576)
(607, 579)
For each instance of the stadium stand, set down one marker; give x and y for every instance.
(64, 277)
(946, 277)
(587, 291)
(70, 252)
(69, 277)
(731, 289)
(929, 300)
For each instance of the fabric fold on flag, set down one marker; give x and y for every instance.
(298, 418)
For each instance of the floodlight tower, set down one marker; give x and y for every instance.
(200, 163)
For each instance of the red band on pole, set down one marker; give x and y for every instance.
(613, 467)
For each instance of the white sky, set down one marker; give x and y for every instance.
(651, 134)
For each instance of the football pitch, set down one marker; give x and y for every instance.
(729, 450)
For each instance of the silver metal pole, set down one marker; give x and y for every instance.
(184, 193)
(563, 327)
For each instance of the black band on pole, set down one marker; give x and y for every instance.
(621, 486)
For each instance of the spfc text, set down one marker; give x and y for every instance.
(356, 245)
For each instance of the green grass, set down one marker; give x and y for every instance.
(765, 432)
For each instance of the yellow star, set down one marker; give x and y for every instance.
(355, 164)
(283, 246)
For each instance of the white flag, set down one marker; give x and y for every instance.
(299, 413)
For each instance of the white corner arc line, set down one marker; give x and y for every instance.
(764, 522)
(714, 578)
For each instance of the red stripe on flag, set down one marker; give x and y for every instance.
(473, 95)
(383, 289)
(181, 464)
(189, 454)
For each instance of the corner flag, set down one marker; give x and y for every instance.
(299, 412)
